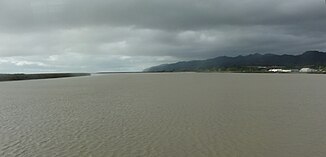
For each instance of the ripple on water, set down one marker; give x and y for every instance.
(164, 115)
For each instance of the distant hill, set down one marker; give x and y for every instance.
(309, 58)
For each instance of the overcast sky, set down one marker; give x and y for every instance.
(130, 35)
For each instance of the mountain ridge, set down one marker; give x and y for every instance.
(308, 58)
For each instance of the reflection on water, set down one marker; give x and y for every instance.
(185, 114)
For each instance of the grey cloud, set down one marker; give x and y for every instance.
(99, 35)
(157, 14)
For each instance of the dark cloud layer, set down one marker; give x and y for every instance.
(128, 35)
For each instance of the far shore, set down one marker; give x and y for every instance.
(247, 72)
(19, 77)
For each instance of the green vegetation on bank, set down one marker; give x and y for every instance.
(236, 69)
(261, 69)
(16, 77)
(257, 70)
(317, 69)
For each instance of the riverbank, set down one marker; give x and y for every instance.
(18, 77)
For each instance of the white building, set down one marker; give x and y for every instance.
(307, 70)
(279, 71)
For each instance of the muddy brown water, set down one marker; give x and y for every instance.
(165, 115)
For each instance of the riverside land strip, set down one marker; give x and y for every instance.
(17, 77)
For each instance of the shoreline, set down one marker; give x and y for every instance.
(237, 72)
(41, 76)
(21, 77)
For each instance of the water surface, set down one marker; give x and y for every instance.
(181, 114)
